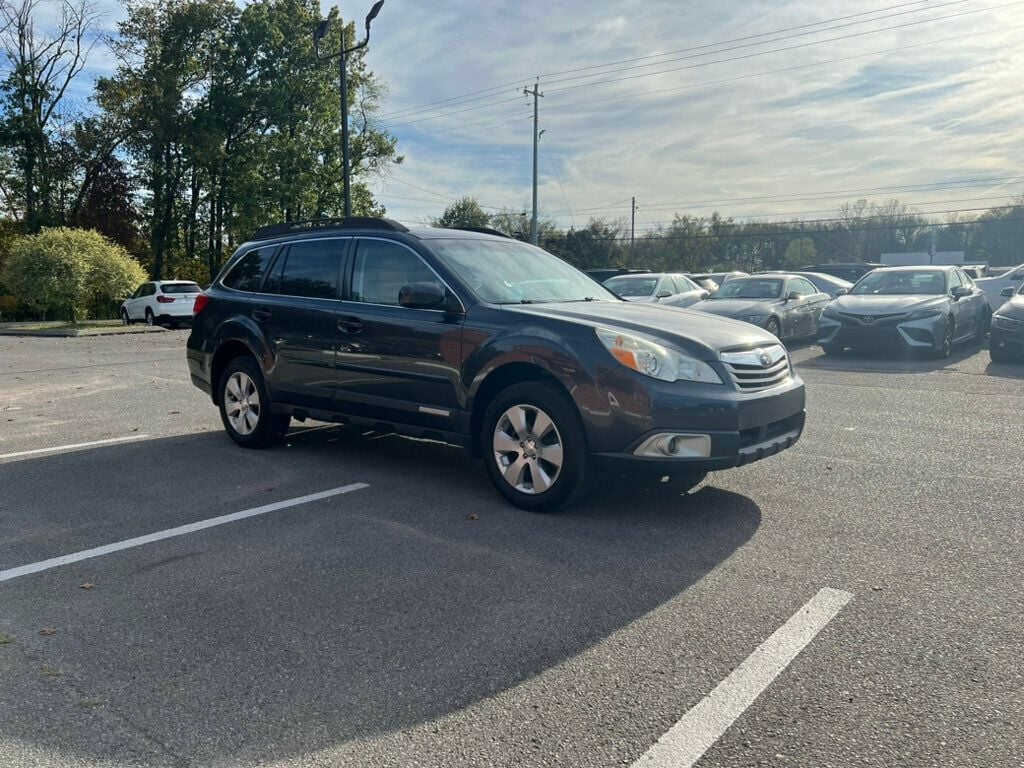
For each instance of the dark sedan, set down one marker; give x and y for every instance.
(1007, 341)
(787, 306)
(928, 308)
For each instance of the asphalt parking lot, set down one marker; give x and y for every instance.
(415, 619)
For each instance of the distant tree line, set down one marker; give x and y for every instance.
(217, 119)
(858, 231)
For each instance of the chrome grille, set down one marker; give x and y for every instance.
(755, 369)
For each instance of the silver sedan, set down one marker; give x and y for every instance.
(786, 305)
(669, 289)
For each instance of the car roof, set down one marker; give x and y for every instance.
(643, 274)
(366, 227)
(918, 268)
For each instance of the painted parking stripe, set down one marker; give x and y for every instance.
(688, 740)
(72, 447)
(181, 530)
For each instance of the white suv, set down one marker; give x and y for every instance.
(161, 302)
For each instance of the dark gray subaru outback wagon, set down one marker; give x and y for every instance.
(473, 338)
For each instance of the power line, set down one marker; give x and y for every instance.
(782, 50)
(487, 92)
(798, 67)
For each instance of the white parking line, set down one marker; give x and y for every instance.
(73, 446)
(688, 740)
(181, 530)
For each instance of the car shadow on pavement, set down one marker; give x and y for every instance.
(888, 361)
(351, 617)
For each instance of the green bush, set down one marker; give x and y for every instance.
(73, 271)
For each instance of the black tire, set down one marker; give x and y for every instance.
(830, 349)
(125, 319)
(150, 320)
(999, 355)
(572, 479)
(172, 324)
(946, 343)
(774, 327)
(269, 427)
(984, 325)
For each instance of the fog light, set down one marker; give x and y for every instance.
(675, 446)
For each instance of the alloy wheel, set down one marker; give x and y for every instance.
(242, 403)
(528, 449)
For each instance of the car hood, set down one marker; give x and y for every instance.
(866, 305)
(1013, 307)
(694, 332)
(737, 307)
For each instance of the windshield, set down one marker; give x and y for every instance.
(632, 286)
(925, 282)
(512, 272)
(747, 288)
(180, 288)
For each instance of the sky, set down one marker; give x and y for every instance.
(768, 108)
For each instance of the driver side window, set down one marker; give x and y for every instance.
(381, 270)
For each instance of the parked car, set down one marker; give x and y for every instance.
(706, 283)
(975, 271)
(852, 271)
(603, 274)
(161, 302)
(825, 283)
(1007, 333)
(787, 306)
(657, 288)
(993, 286)
(489, 343)
(926, 308)
(719, 278)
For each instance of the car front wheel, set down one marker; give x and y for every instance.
(125, 319)
(245, 406)
(534, 447)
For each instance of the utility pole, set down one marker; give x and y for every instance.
(632, 231)
(536, 140)
(318, 35)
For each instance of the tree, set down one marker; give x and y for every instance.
(799, 253)
(465, 212)
(42, 68)
(70, 270)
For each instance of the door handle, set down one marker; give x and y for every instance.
(350, 324)
(261, 315)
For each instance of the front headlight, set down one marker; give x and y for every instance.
(921, 314)
(650, 358)
(753, 319)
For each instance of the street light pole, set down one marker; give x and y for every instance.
(318, 35)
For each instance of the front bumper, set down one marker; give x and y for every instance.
(887, 333)
(1007, 337)
(743, 427)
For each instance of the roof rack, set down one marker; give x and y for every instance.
(315, 225)
(483, 231)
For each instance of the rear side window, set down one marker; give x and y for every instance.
(247, 274)
(308, 269)
(803, 287)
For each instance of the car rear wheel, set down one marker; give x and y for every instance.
(534, 447)
(245, 408)
(150, 320)
(999, 355)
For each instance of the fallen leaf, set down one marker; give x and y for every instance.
(5, 639)
(47, 631)
(473, 516)
(87, 585)
(174, 413)
(50, 672)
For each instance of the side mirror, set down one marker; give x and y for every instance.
(1008, 291)
(794, 296)
(841, 292)
(663, 294)
(422, 296)
(704, 295)
(961, 292)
